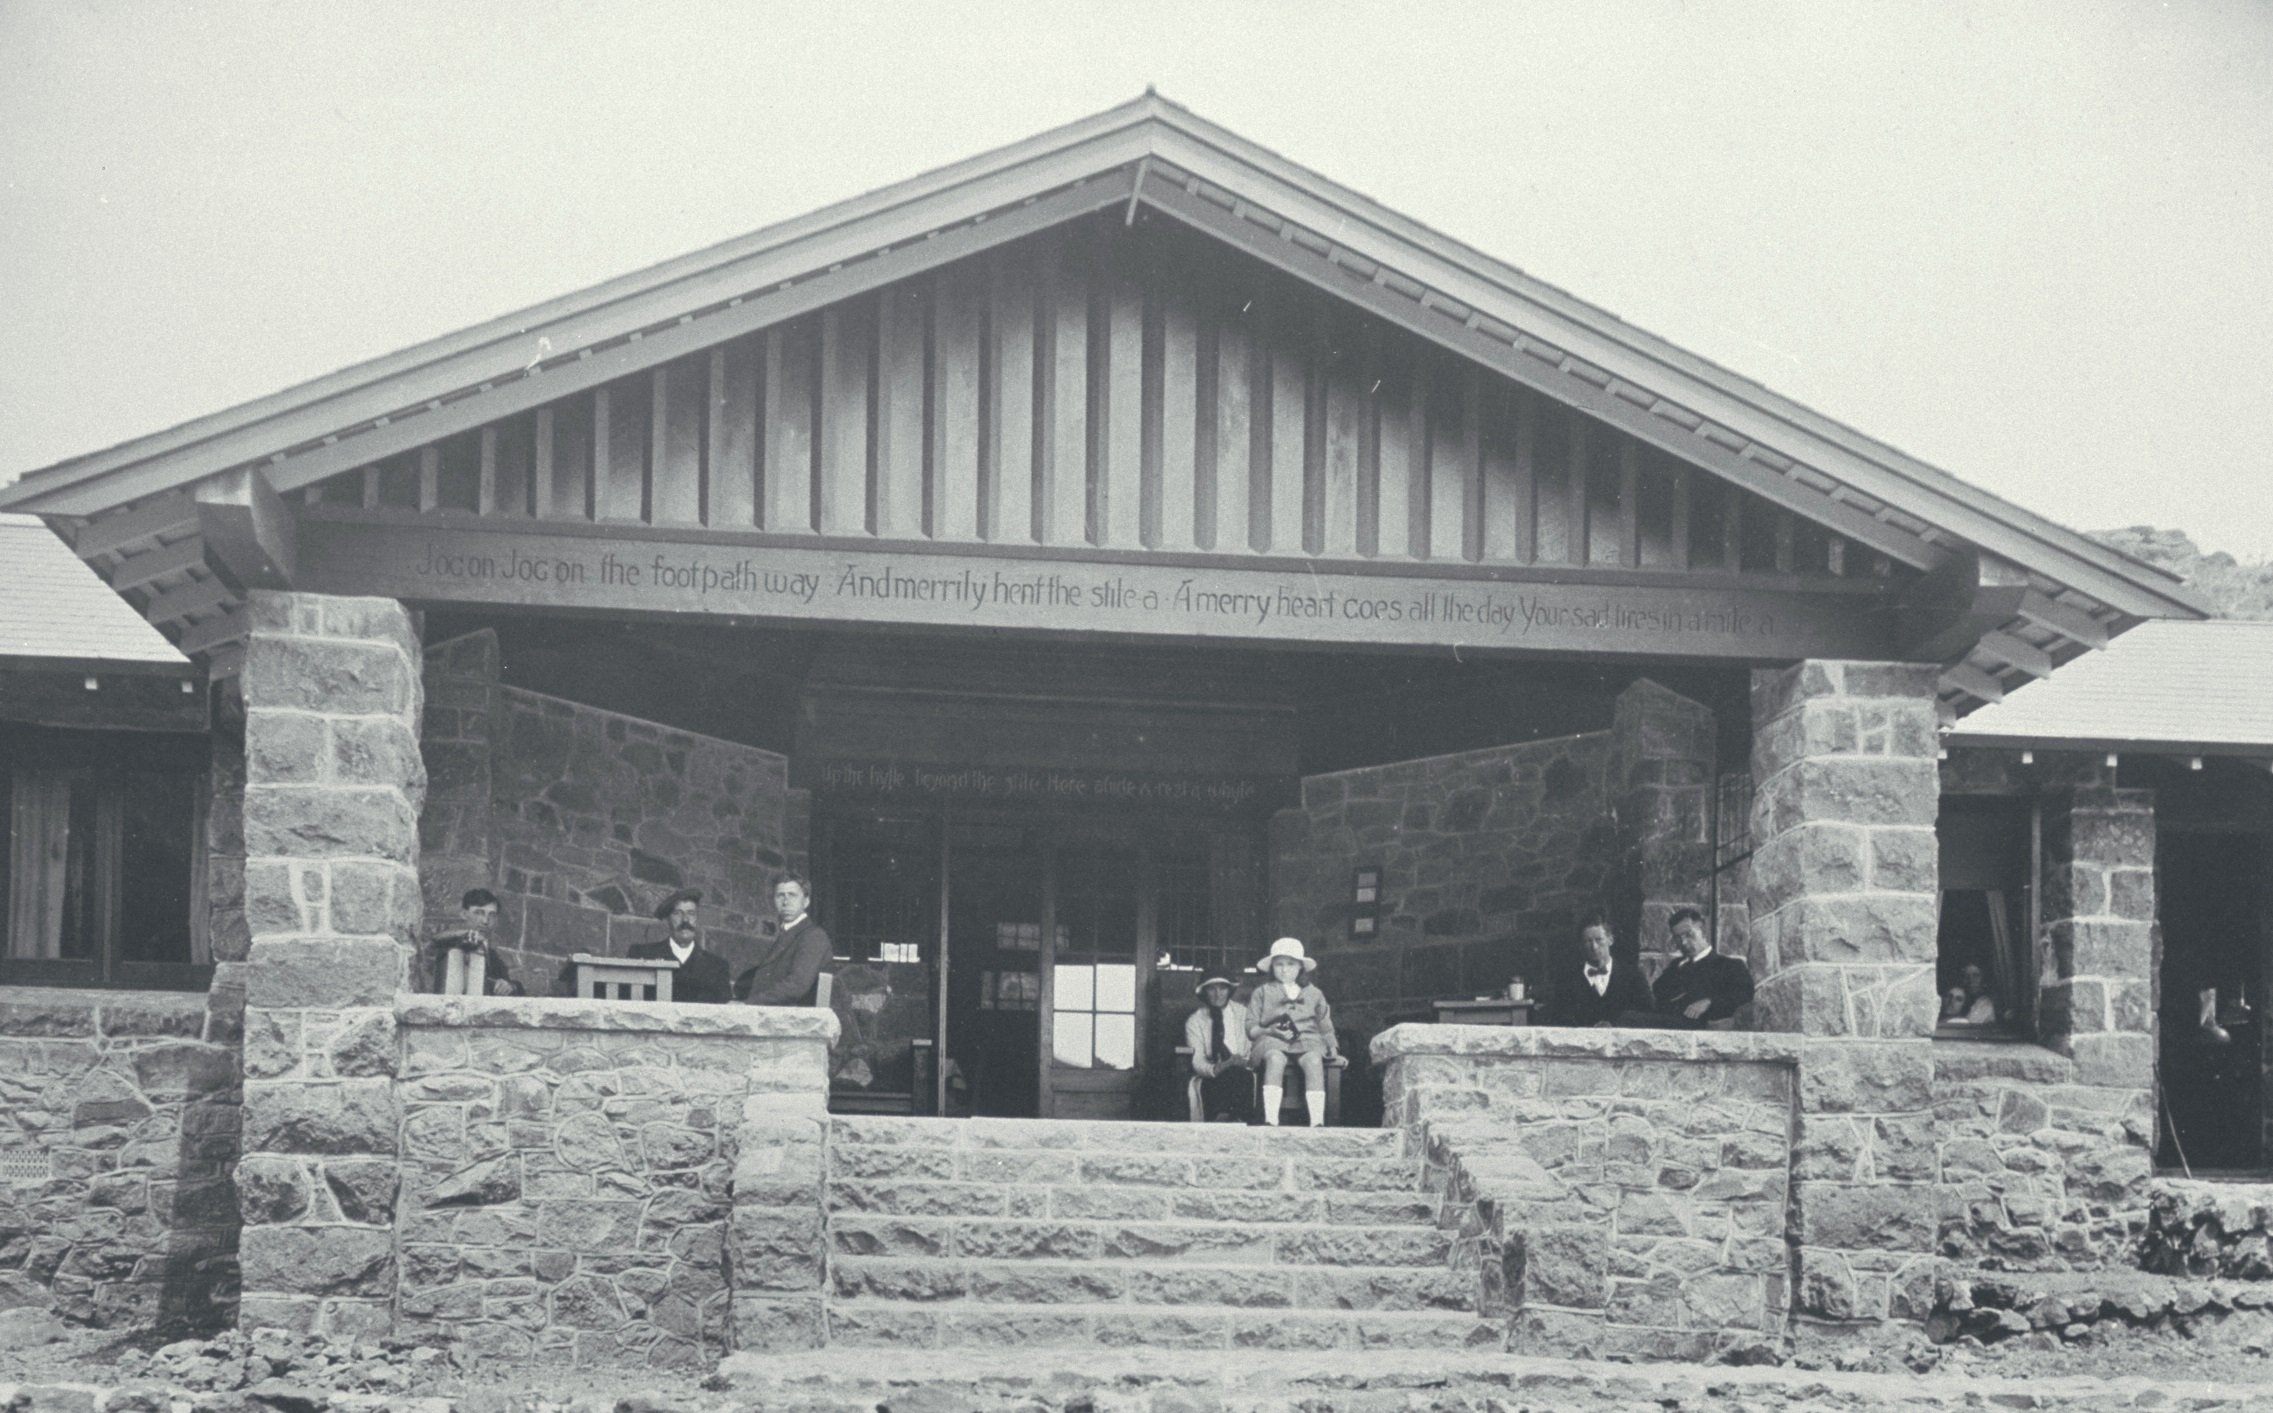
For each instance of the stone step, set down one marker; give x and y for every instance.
(1213, 1243)
(1256, 1287)
(1095, 1135)
(888, 1324)
(1121, 1186)
(1148, 1204)
(1006, 1171)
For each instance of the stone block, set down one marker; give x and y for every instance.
(1866, 1076)
(184, 1069)
(773, 1325)
(272, 1190)
(298, 1116)
(317, 1260)
(1905, 860)
(2101, 947)
(364, 1045)
(1565, 1266)
(1867, 1217)
(1815, 728)
(285, 747)
(324, 973)
(2116, 1060)
(27, 1013)
(1849, 790)
(330, 821)
(372, 898)
(1810, 856)
(375, 750)
(1870, 928)
(1826, 1287)
(329, 677)
(364, 1189)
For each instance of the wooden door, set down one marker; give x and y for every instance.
(1098, 939)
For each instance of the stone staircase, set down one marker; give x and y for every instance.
(1027, 1232)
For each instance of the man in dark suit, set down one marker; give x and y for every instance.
(1700, 986)
(789, 975)
(1598, 990)
(703, 977)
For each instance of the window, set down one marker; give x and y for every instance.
(105, 862)
(1093, 981)
(1984, 971)
(882, 885)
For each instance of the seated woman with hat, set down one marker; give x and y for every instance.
(1222, 1082)
(1287, 1015)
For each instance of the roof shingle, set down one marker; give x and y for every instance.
(54, 607)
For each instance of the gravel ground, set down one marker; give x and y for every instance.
(143, 1375)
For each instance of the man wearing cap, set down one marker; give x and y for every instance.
(703, 977)
(1216, 1034)
(790, 974)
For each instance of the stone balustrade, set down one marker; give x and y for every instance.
(609, 1182)
(1614, 1191)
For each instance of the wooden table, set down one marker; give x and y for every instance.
(1495, 1010)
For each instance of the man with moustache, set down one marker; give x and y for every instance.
(703, 977)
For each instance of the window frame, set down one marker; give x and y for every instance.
(2021, 1024)
(110, 759)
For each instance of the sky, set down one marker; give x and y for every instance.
(2030, 242)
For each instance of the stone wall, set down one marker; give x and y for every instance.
(333, 786)
(1661, 778)
(609, 1183)
(1487, 860)
(581, 820)
(2044, 1151)
(1844, 926)
(133, 1100)
(1615, 1192)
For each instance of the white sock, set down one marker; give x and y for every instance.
(1272, 1094)
(1315, 1101)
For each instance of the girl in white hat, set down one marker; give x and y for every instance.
(1287, 1015)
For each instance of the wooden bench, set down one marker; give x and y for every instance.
(1290, 1102)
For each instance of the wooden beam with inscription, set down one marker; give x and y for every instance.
(1280, 600)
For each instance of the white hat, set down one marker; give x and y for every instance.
(1287, 947)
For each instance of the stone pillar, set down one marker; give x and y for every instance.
(2095, 975)
(777, 1239)
(1845, 911)
(455, 845)
(333, 785)
(1661, 785)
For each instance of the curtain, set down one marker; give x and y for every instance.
(2004, 981)
(38, 864)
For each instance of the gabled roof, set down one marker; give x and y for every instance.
(57, 613)
(1157, 154)
(2196, 688)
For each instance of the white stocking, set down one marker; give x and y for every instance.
(1272, 1094)
(1315, 1101)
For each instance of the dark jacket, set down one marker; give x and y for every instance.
(790, 974)
(1725, 981)
(1576, 1004)
(703, 978)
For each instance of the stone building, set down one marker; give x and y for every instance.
(1086, 562)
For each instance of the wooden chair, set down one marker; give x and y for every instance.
(623, 978)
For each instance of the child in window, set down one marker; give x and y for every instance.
(1287, 1015)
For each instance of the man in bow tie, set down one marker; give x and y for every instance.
(1600, 988)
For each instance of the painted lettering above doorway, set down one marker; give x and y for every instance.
(1067, 786)
(1273, 601)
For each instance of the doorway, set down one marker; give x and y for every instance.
(1071, 948)
(2209, 893)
